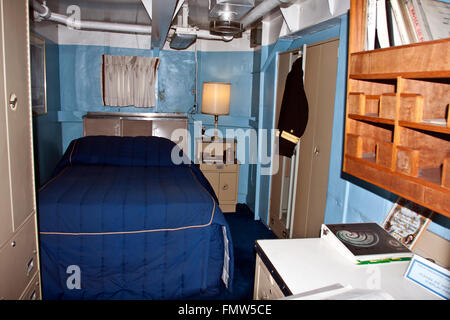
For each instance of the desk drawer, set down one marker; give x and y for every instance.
(18, 261)
(266, 287)
(33, 291)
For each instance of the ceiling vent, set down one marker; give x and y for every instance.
(225, 15)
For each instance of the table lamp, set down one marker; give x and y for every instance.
(216, 101)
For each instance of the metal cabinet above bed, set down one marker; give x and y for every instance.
(122, 124)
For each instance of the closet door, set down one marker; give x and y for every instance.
(5, 191)
(17, 90)
(18, 247)
(315, 144)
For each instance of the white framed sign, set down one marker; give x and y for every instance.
(430, 276)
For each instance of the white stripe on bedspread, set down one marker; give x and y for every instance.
(226, 258)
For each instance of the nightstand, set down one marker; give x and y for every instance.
(217, 161)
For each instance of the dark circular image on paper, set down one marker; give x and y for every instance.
(363, 239)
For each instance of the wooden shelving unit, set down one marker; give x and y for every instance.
(397, 132)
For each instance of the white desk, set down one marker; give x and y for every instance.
(307, 264)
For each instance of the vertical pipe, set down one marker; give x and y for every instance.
(283, 178)
(291, 189)
(294, 191)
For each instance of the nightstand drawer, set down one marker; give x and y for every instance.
(205, 167)
(213, 178)
(227, 186)
(224, 179)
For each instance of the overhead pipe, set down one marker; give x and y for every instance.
(260, 10)
(98, 25)
(44, 12)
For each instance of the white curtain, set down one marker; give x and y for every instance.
(129, 81)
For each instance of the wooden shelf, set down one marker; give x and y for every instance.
(441, 128)
(410, 75)
(371, 118)
(419, 60)
(421, 191)
(397, 121)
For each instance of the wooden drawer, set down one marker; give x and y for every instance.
(265, 286)
(214, 179)
(227, 186)
(33, 291)
(219, 167)
(18, 261)
(224, 179)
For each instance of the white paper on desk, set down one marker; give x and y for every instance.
(319, 293)
(338, 292)
(361, 294)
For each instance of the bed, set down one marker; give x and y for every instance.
(119, 220)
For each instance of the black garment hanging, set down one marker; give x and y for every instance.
(294, 111)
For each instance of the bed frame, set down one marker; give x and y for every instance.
(138, 124)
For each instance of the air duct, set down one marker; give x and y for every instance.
(225, 15)
(233, 16)
(262, 9)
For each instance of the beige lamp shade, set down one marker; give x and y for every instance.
(216, 98)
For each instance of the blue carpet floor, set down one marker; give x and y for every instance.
(244, 232)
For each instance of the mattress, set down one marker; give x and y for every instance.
(119, 220)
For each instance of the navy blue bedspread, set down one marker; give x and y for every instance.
(120, 221)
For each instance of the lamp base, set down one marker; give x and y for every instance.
(216, 120)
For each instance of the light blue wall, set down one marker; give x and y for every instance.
(176, 81)
(46, 128)
(232, 67)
